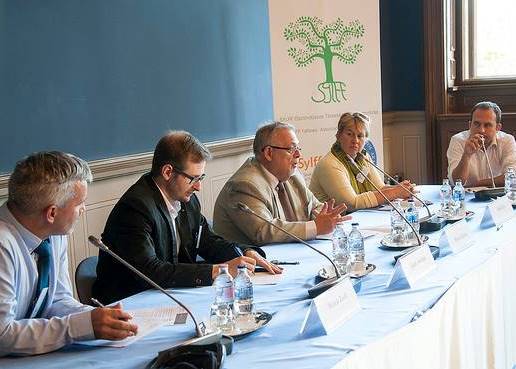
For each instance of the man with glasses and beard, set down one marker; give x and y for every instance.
(270, 184)
(157, 226)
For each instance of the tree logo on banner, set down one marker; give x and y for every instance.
(326, 42)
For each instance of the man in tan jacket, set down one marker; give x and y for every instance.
(270, 184)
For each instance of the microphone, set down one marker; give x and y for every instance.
(199, 328)
(398, 183)
(319, 287)
(429, 223)
(387, 199)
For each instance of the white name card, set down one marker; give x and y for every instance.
(497, 212)
(412, 266)
(457, 237)
(331, 309)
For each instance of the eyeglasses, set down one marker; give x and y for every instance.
(193, 179)
(361, 116)
(291, 150)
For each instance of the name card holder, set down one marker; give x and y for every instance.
(412, 266)
(457, 237)
(497, 213)
(331, 309)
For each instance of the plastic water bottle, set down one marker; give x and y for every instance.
(398, 225)
(446, 194)
(356, 250)
(510, 184)
(509, 172)
(412, 216)
(221, 313)
(459, 196)
(244, 306)
(340, 249)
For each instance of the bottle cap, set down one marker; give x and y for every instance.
(354, 224)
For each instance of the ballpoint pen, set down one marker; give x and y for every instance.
(101, 305)
(97, 302)
(277, 262)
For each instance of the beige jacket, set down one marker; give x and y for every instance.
(330, 179)
(252, 186)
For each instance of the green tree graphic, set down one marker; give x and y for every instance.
(325, 42)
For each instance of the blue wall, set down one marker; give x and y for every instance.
(401, 34)
(102, 78)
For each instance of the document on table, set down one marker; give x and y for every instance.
(263, 278)
(476, 189)
(148, 320)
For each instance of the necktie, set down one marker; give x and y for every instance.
(285, 203)
(44, 258)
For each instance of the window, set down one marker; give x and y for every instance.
(487, 34)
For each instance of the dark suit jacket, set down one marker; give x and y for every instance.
(139, 229)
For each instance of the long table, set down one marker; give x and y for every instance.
(461, 315)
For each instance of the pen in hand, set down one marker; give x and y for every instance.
(97, 302)
(101, 305)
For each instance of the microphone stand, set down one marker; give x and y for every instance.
(482, 139)
(319, 287)
(397, 182)
(428, 223)
(200, 329)
(419, 242)
(493, 192)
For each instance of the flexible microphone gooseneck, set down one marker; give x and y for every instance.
(482, 139)
(319, 287)
(387, 199)
(398, 183)
(199, 328)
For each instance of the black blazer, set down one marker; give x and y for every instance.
(139, 229)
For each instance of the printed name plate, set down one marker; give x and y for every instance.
(331, 309)
(457, 237)
(412, 266)
(497, 212)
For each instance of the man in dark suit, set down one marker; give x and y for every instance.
(157, 226)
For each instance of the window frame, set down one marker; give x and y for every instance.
(462, 32)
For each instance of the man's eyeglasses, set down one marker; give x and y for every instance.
(291, 150)
(193, 179)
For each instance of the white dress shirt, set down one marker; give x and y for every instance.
(64, 319)
(501, 153)
(173, 209)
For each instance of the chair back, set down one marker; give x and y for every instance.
(85, 275)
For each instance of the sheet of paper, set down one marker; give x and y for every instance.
(148, 320)
(266, 278)
(475, 189)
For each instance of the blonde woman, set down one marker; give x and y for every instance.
(335, 176)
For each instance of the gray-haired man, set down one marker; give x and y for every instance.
(38, 314)
(270, 184)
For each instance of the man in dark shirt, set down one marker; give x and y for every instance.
(157, 226)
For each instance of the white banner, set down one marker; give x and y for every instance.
(325, 61)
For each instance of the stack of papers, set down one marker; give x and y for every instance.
(147, 320)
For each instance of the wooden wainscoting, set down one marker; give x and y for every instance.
(404, 144)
